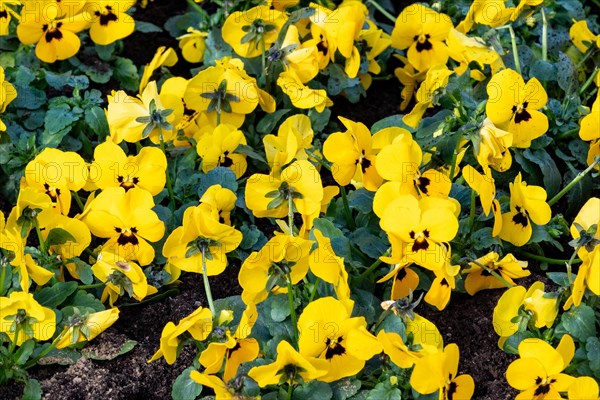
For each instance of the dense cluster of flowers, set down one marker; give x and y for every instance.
(186, 169)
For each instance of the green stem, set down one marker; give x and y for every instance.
(568, 134)
(548, 260)
(313, 292)
(349, 219)
(544, 36)
(318, 159)
(371, 268)
(13, 343)
(263, 59)
(39, 235)
(290, 294)
(589, 81)
(513, 40)
(4, 266)
(93, 286)
(290, 391)
(209, 297)
(493, 273)
(591, 51)
(291, 214)
(78, 200)
(574, 181)
(168, 176)
(47, 350)
(454, 158)
(196, 7)
(382, 10)
(570, 265)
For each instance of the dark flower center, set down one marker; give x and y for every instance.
(423, 42)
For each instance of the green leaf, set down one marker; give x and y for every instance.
(58, 81)
(218, 176)
(185, 388)
(388, 122)
(511, 345)
(280, 308)
(28, 97)
(385, 391)
(592, 347)
(84, 299)
(313, 390)
(22, 355)
(251, 237)
(146, 27)
(579, 322)
(56, 294)
(126, 347)
(370, 244)
(126, 74)
(319, 120)
(543, 70)
(32, 390)
(60, 357)
(326, 227)
(95, 118)
(362, 200)
(345, 388)
(58, 236)
(57, 119)
(566, 73)
(560, 278)
(268, 123)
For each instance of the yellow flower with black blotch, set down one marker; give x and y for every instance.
(439, 371)
(371, 42)
(113, 168)
(299, 186)
(217, 149)
(45, 23)
(232, 350)
(201, 236)
(221, 199)
(193, 45)
(479, 278)
(126, 219)
(440, 291)
(527, 204)
(83, 328)
(150, 115)
(514, 105)
(253, 31)
(282, 259)
(538, 371)
(582, 37)
(199, 324)
(6, 14)
(353, 156)
(109, 20)
(57, 173)
(419, 229)
(120, 276)
(300, 95)
(410, 79)
(289, 367)
(422, 31)
(23, 318)
(328, 332)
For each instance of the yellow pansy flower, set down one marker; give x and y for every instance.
(410, 79)
(55, 173)
(527, 204)
(283, 258)
(150, 115)
(439, 371)
(7, 94)
(328, 332)
(217, 149)
(419, 229)
(299, 185)
(493, 13)
(201, 236)
(464, 50)
(521, 6)
(493, 148)
(164, 56)
(126, 219)
(422, 31)
(302, 60)
(223, 391)
(436, 79)
(590, 124)
(252, 31)
(233, 350)
(113, 168)
(120, 276)
(538, 373)
(293, 137)
(484, 185)
(221, 199)
(199, 324)
(193, 45)
(514, 106)
(352, 156)
(6, 14)
(302, 96)
(442, 285)
(109, 20)
(289, 366)
(22, 316)
(479, 278)
(83, 328)
(581, 36)
(583, 387)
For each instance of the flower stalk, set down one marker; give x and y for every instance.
(209, 297)
(574, 182)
